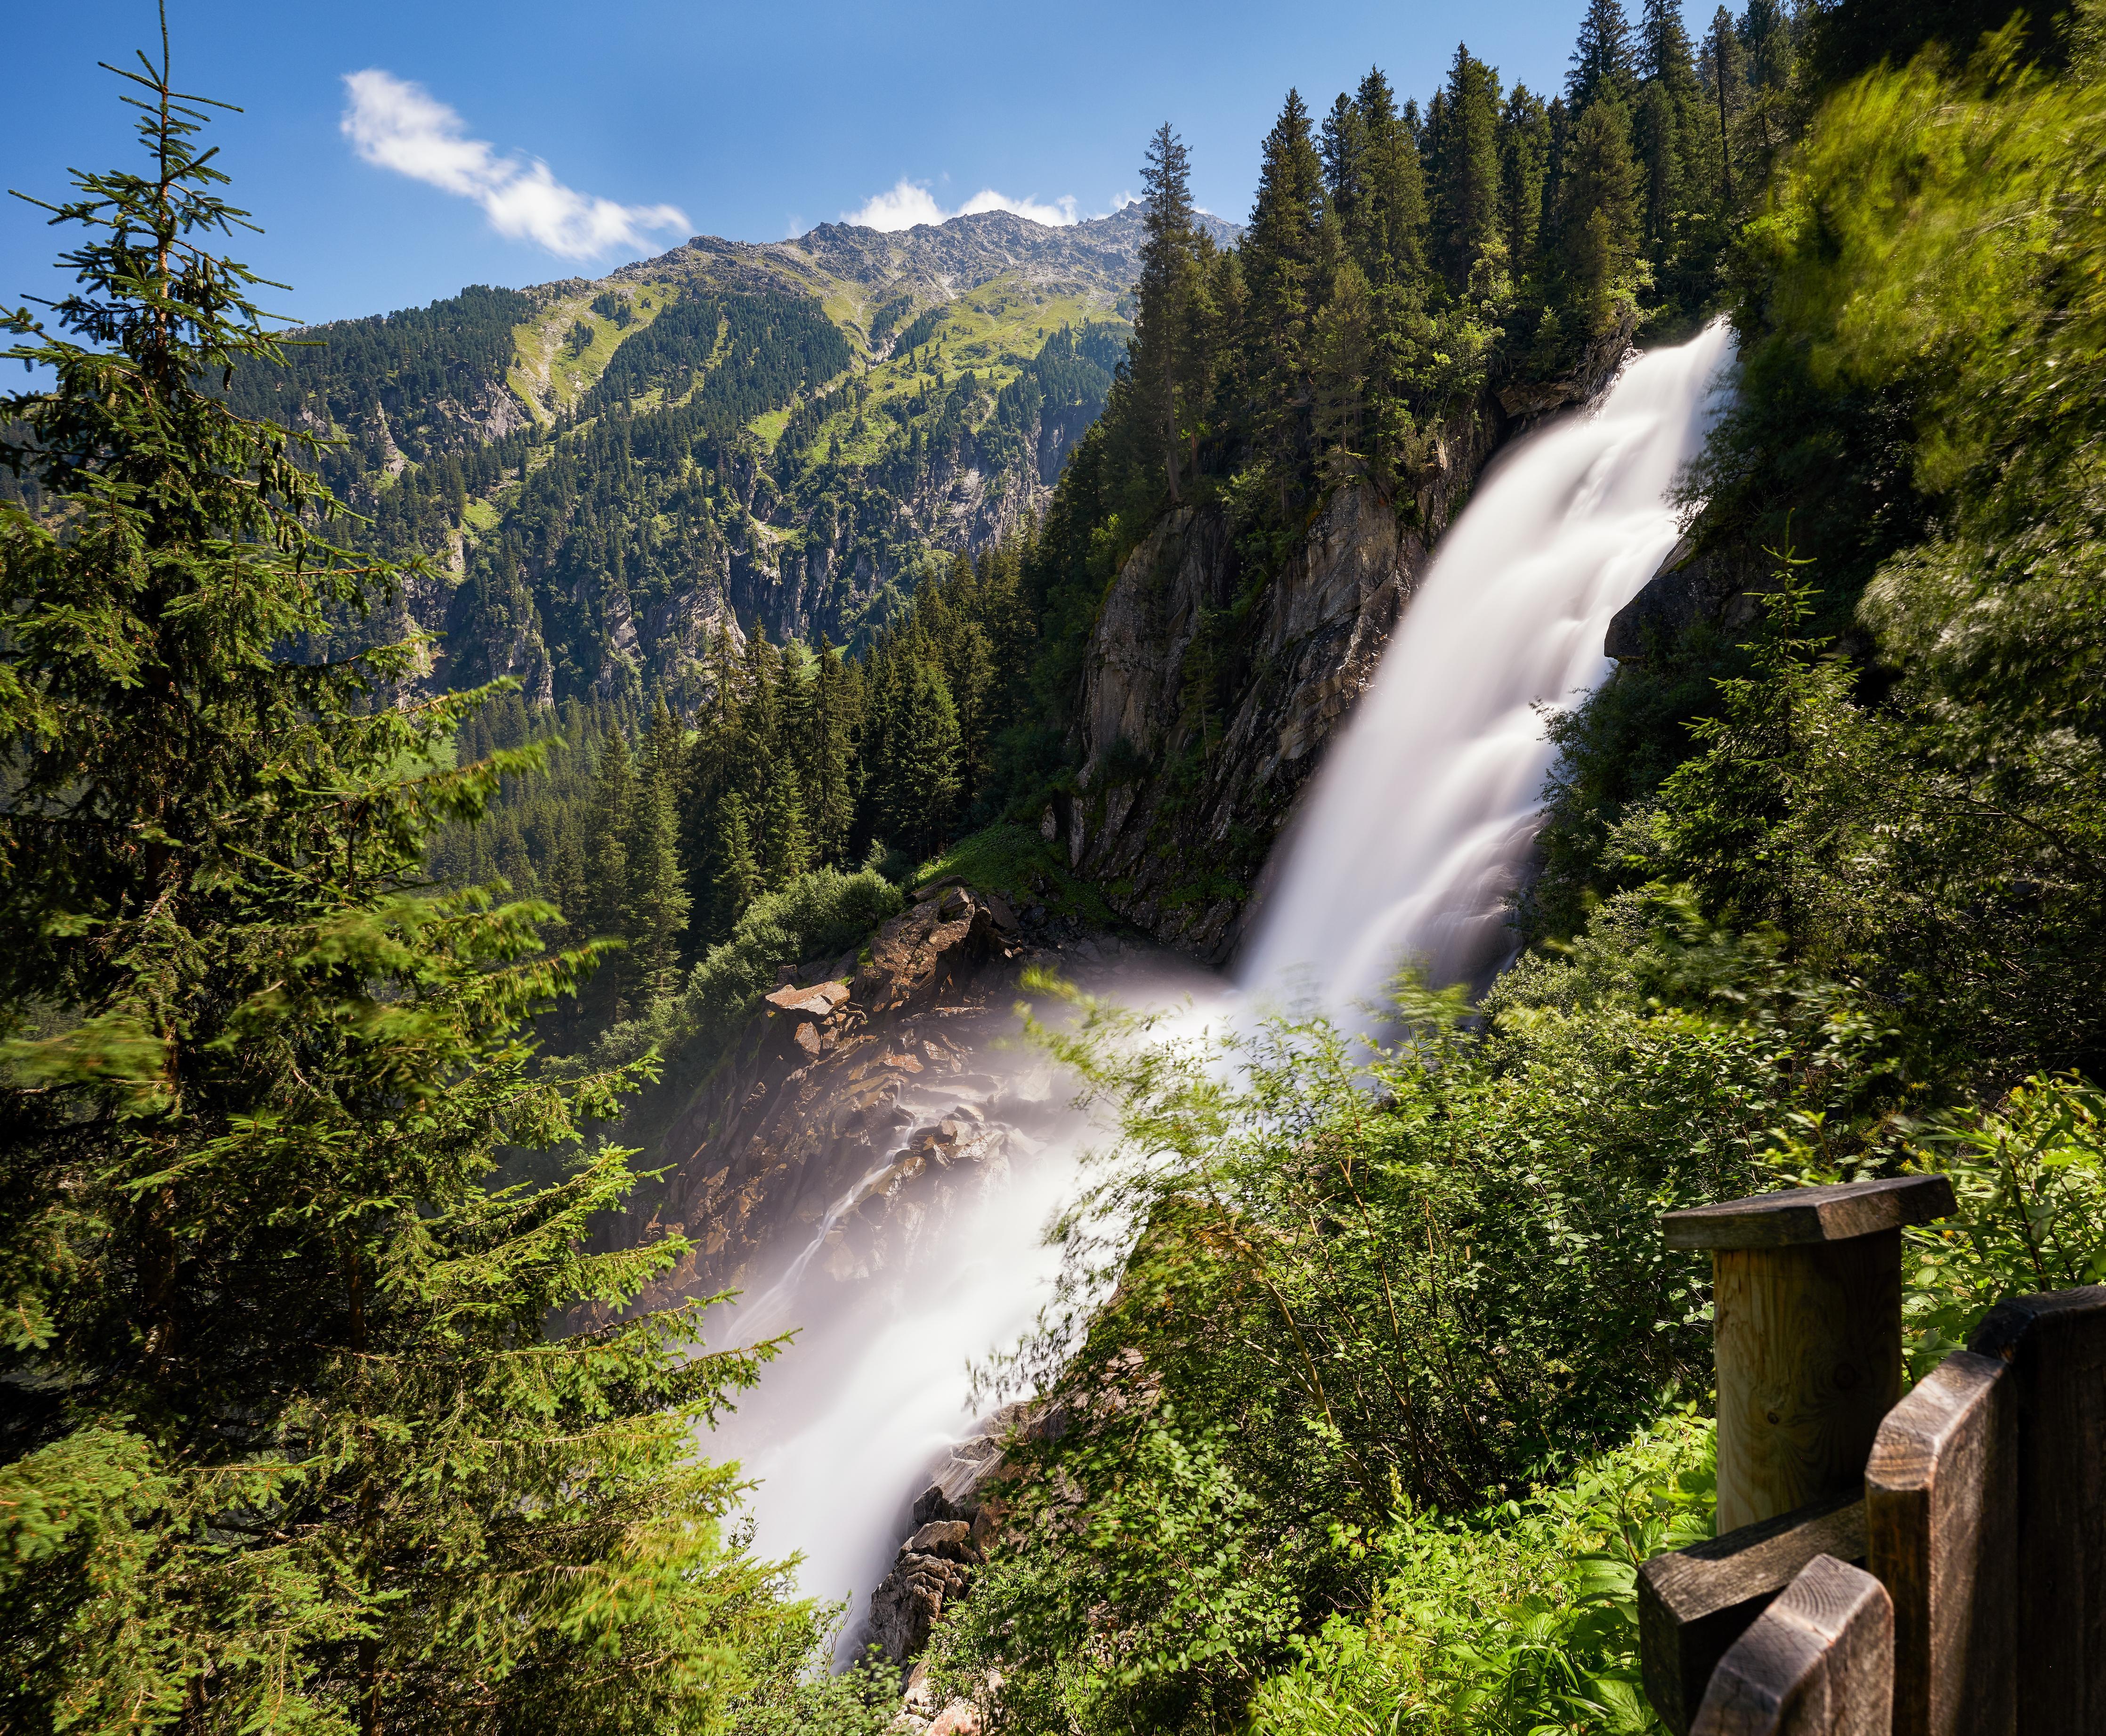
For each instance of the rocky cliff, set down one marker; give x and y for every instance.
(1196, 738)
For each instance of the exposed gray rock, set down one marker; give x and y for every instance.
(903, 1610)
(1690, 588)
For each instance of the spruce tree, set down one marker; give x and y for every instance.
(914, 772)
(830, 800)
(1279, 260)
(738, 879)
(1391, 188)
(1466, 167)
(1524, 161)
(1723, 67)
(655, 903)
(1163, 362)
(1665, 55)
(1603, 62)
(1601, 217)
(288, 1447)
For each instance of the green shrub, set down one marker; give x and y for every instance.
(821, 912)
(1522, 1621)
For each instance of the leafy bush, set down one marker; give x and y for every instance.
(1319, 1283)
(821, 912)
(1522, 1621)
(2030, 1179)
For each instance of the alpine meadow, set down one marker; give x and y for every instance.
(948, 977)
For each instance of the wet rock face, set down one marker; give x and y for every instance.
(954, 1516)
(1197, 747)
(1180, 800)
(861, 1107)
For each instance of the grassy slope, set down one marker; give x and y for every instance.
(550, 378)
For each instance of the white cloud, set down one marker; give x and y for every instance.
(907, 203)
(397, 125)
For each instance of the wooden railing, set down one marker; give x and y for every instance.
(1932, 1565)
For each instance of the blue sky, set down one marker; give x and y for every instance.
(517, 143)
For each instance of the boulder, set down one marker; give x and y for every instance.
(817, 1002)
(948, 1538)
(904, 1609)
(1689, 588)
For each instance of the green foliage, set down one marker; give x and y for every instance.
(1024, 868)
(2030, 1178)
(1901, 772)
(816, 916)
(1520, 1620)
(286, 1443)
(1421, 1276)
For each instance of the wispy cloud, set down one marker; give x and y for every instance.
(397, 125)
(909, 202)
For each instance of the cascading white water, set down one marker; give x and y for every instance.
(1423, 816)
(1420, 822)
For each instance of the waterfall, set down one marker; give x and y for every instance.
(1418, 825)
(1423, 816)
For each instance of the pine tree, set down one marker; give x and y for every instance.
(1466, 167)
(1164, 365)
(1279, 260)
(288, 1446)
(1603, 63)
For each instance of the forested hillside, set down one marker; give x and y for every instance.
(601, 473)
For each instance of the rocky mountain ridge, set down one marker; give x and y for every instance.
(810, 421)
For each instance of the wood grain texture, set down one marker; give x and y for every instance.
(1941, 1523)
(1694, 1603)
(2055, 1345)
(1818, 1662)
(1808, 1342)
(1802, 1215)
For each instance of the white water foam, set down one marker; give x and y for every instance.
(1424, 813)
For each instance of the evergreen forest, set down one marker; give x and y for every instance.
(429, 737)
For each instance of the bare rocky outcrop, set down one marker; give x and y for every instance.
(1692, 587)
(862, 1106)
(1181, 792)
(953, 1519)
(1178, 803)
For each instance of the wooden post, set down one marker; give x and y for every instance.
(2056, 1346)
(1807, 1323)
(1694, 1603)
(1941, 1523)
(1818, 1662)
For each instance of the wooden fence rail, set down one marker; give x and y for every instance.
(1926, 1565)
